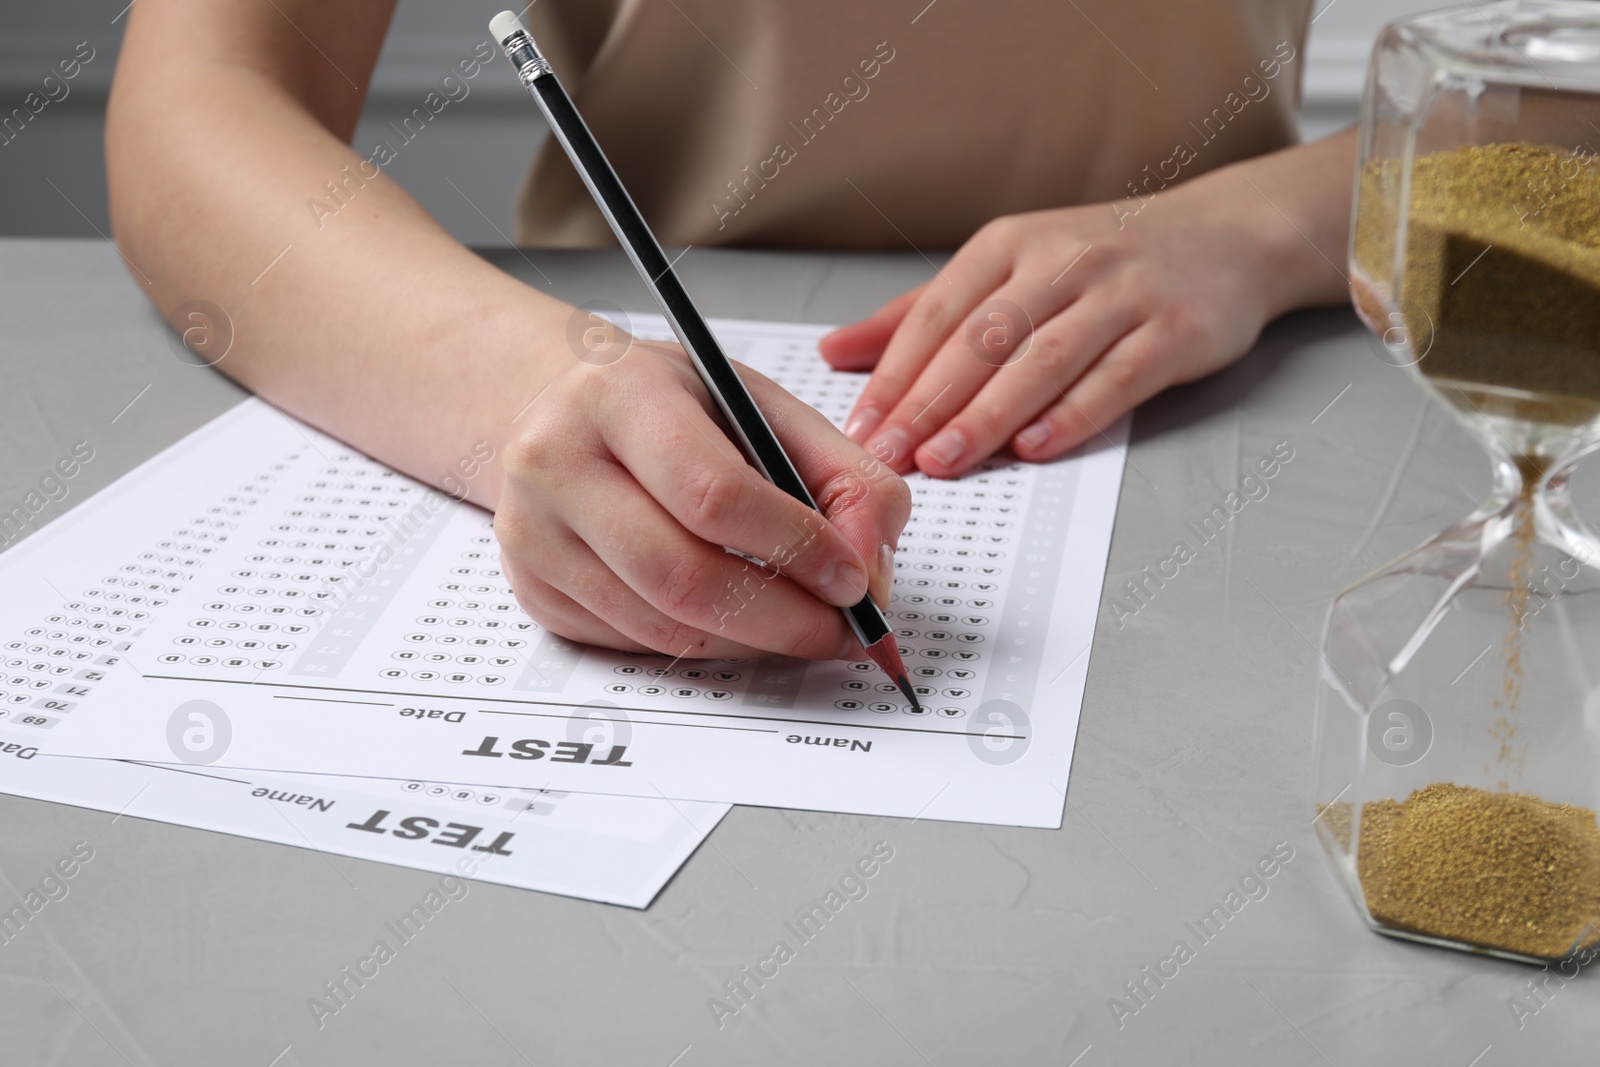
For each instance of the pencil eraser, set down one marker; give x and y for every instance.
(504, 25)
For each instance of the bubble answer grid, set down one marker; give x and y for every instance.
(284, 613)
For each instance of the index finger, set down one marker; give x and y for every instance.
(865, 500)
(684, 460)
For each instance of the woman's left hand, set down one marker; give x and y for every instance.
(1046, 327)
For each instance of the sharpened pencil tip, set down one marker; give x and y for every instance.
(911, 694)
(887, 656)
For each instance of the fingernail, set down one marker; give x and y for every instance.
(882, 582)
(862, 422)
(842, 584)
(890, 445)
(1034, 436)
(947, 446)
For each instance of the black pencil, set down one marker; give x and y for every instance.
(749, 426)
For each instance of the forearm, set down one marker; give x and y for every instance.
(370, 322)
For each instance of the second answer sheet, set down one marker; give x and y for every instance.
(620, 850)
(358, 623)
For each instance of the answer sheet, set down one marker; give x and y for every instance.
(80, 596)
(356, 622)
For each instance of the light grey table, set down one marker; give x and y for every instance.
(976, 944)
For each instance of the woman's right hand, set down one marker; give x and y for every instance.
(616, 489)
(621, 489)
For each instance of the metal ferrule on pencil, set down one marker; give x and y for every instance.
(526, 57)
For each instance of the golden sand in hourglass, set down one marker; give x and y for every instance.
(1500, 285)
(1501, 870)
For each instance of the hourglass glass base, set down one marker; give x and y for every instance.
(1458, 746)
(1333, 827)
(1583, 953)
(1438, 933)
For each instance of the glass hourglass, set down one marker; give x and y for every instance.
(1457, 767)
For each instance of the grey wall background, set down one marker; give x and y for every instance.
(466, 166)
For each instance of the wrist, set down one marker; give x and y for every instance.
(522, 352)
(1291, 210)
